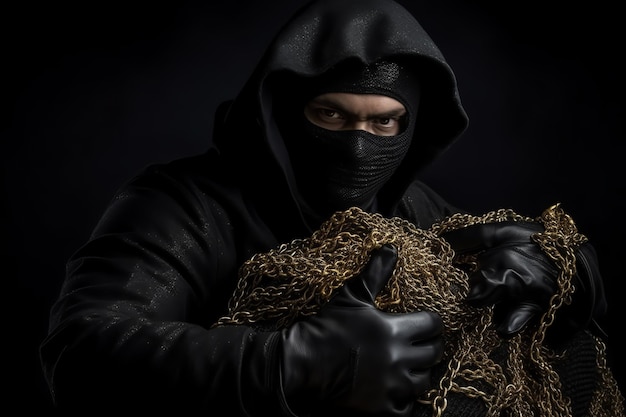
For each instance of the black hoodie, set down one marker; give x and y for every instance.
(320, 36)
(131, 329)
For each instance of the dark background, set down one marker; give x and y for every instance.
(94, 91)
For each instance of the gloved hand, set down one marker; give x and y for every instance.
(516, 276)
(353, 358)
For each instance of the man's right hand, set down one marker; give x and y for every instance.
(354, 358)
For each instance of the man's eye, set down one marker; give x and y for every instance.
(331, 114)
(387, 122)
(386, 126)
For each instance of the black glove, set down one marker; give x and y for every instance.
(353, 358)
(516, 276)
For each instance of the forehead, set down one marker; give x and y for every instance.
(360, 103)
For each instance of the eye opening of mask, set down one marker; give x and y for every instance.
(378, 114)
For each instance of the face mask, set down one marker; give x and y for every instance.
(336, 170)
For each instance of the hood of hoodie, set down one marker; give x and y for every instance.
(318, 37)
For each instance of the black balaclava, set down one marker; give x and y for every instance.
(335, 170)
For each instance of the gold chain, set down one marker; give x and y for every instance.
(297, 278)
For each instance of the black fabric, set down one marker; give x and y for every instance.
(578, 377)
(390, 78)
(336, 170)
(579, 373)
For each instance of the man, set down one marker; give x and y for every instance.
(351, 99)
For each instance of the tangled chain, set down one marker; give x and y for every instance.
(297, 278)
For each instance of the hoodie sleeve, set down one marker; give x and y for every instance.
(131, 327)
